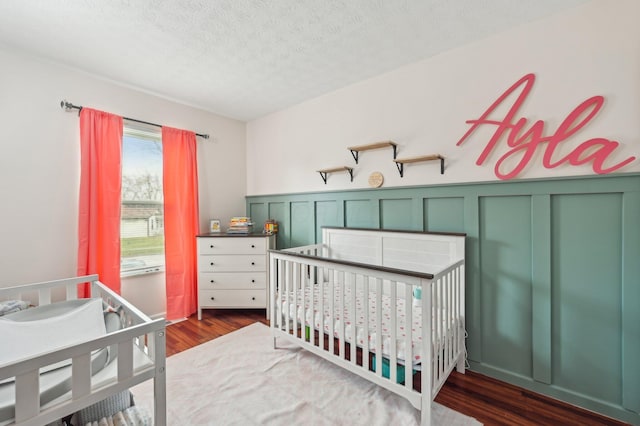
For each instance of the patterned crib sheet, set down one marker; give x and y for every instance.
(358, 318)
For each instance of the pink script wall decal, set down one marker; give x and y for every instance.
(524, 142)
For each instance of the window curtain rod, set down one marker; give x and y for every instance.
(68, 106)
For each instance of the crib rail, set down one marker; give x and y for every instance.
(139, 332)
(298, 281)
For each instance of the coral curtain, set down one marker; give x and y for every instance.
(181, 223)
(99, 209)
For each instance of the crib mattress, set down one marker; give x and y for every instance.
(358, 318)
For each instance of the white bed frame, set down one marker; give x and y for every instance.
(140, 335)
(383, 262)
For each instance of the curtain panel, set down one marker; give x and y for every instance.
(99, 207)
(181, 222)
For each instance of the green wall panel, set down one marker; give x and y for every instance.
(327, 214)
(259, 212)
(586, 253)
(552, 273)
(505, 264)
(360, 214)
(444, 214)
(301, 215)
(396, 214)
(277, 212)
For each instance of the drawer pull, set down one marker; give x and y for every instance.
(253, 298)
(253, 281)
(211, 263)
(253, 246)
(213, 298)
(211, 246)
(212, 281)
(252, 263)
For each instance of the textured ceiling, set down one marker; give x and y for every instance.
(246, 58)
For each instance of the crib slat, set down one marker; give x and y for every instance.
(321, 292)
(365, 326)
(408, 338)
(332, 312)
(354, 317)
(125, 360)
(393, 329)
(27, 395)
(287, 291)
(341, 329)
(44, 296)
(296, 283)
(378, 312)
(81, 375)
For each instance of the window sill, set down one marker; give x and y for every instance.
(142, 271)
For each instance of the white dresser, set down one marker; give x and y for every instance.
(233, 271)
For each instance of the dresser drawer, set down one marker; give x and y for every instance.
(232, 245)
(239, 263)
(233, 298)
(232, 280)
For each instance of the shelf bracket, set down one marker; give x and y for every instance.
(355, 150)
(354, 153)
(400, 163)
(325, 172)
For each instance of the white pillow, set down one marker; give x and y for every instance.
(27, 338)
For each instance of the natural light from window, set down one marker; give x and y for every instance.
(142, 215)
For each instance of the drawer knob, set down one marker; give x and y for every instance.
(211, 246)
(253, 281)
(253, 246)
(213, 298)
(253, 298)
(211, 263)
(212, 281)
(252, 263)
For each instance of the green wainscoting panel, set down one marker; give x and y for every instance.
(396, 214)
(258, 213)
(328, 213)
(631, 302)
(301, 216)
(505, 264)
(586, 303)
(444, 214)
(552, 273)
(541, 287)
(361, 214)
(473, 321)
(277, 212)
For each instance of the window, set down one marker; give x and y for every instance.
(142, 215)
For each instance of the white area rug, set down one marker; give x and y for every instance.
(239, 379)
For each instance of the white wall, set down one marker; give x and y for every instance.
(39, 167)
(593, 49)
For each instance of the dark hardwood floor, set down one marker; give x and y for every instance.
(490, 401)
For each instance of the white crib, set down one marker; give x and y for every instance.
(139, 344)
(361, 286)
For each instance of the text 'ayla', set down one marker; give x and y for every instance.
(524, 142)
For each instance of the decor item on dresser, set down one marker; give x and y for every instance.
(240, 225)
(214, 225)
(350, 300)
(76, 355)
(270, 227)
(233, 270)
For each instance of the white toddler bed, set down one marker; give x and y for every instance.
(78, 369)
(376, 287)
